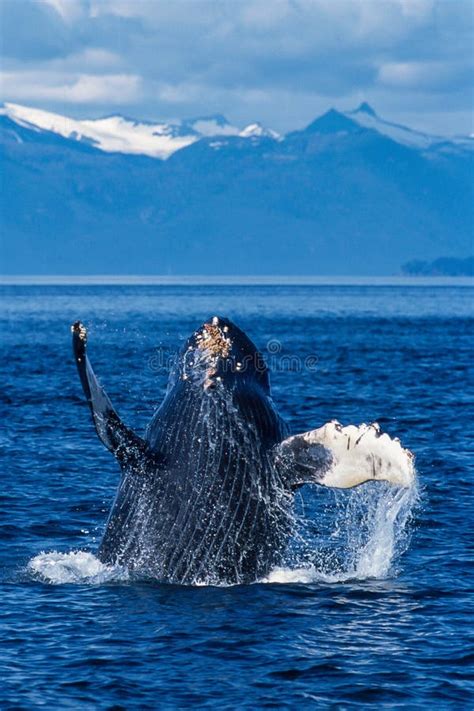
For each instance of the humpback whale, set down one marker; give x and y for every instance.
(206, 495)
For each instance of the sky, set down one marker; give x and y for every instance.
(281, 62)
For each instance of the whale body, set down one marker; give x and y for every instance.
(206, 495)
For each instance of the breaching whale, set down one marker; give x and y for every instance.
(206, 494)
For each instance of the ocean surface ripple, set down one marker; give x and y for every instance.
(373, 605)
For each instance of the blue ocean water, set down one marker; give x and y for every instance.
(375, 605)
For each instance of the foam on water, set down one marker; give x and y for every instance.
(369, 529)
(74, 567)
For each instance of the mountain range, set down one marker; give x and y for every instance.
(350, 194)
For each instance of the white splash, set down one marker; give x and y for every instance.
(370, 530)
(74, 567)
(369, 526)
(386, 524)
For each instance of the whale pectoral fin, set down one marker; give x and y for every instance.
(119, 439)
(343, 457)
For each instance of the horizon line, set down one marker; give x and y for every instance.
(229, 280)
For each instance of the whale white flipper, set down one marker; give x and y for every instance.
(343, 457)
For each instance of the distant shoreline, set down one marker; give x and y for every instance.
(207, 280)
(443, 266)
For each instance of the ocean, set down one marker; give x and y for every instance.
(373, 606)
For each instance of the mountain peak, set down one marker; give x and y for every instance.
(332, 122)
(365, 108)
(218, 119)
(213, 125)
(257, 130)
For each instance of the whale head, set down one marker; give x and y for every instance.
(219, 354)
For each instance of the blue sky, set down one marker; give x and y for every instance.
(278, 61)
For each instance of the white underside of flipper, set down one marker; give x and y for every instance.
(354, 455)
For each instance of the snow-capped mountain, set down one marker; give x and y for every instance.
(366, 116)
(351, 193)
(117, 134)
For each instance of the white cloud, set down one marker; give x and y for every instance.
(85, 88)
(434, 76)
(278, 61)
(89, 60)
(96, 57)
(70, 10)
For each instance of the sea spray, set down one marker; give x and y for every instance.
(348, 534)
(354, 534)
(386, 530)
